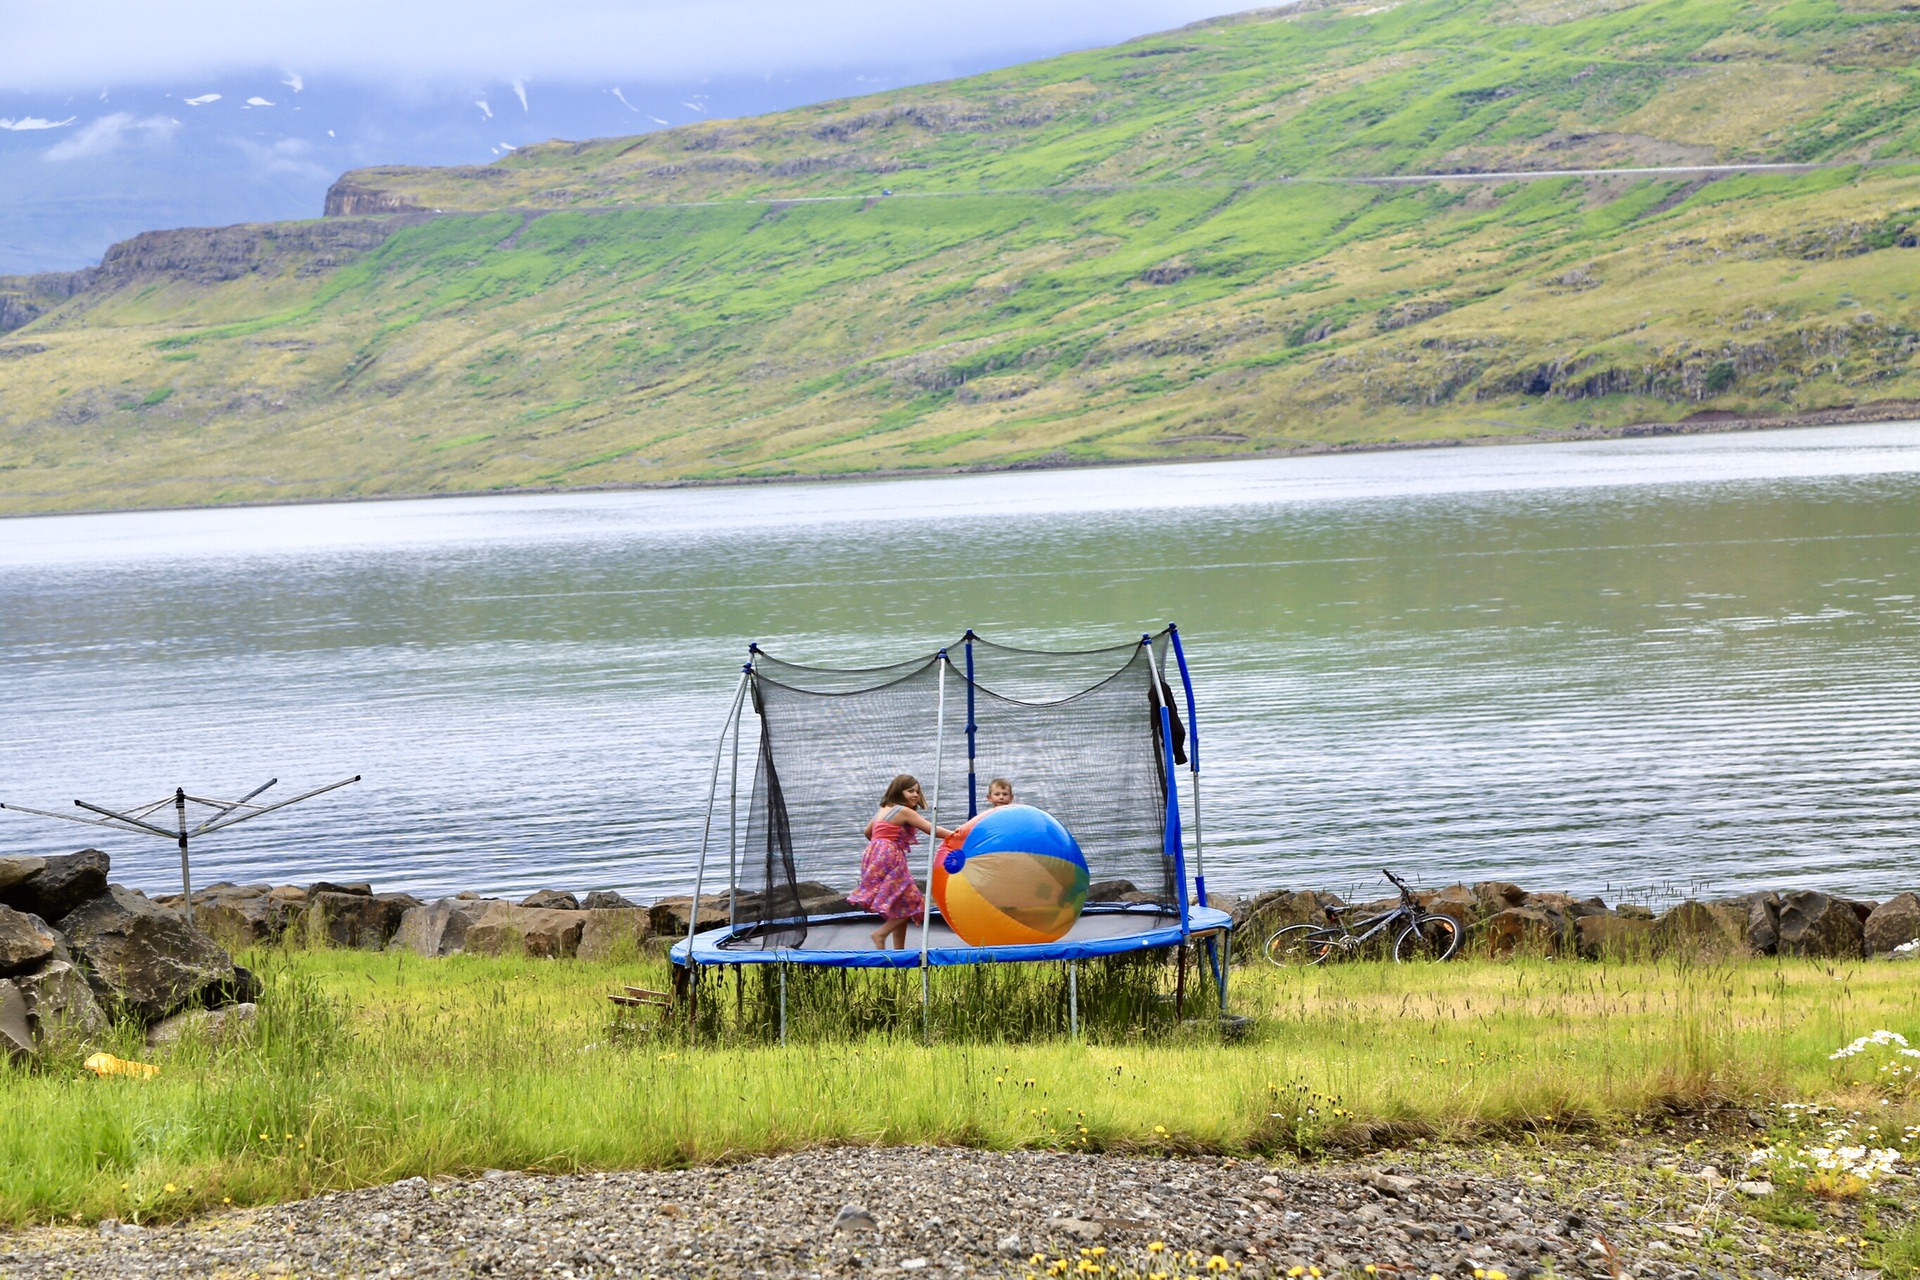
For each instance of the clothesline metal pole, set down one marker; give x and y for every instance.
(933, 847)
(706, 833)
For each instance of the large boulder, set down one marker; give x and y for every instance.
(366, 922)
(1491, 897)
(145, 960)
(1816, 924)
(1763, 923)
(551, 900)
(1455, 900)
(670, 915)
(1893, 923)
(439, 928)
(60, 1004)
(608, 900)
(229, 1025)
(60, 885)
(1522, 930)
(1700, 929)
(507, 930)
(16, 1036)
(1613, 937)
(14, 870)
(244, 919)
(359, 888)
(25, 941)
(612, 934)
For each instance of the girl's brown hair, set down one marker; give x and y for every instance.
(898, 788)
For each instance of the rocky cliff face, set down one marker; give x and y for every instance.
(202, 256)
(350, 198)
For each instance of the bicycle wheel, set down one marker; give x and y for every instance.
(1300, 944)
(1427, 938)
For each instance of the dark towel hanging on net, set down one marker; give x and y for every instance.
(1161, 695)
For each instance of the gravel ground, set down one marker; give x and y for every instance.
(1632, 1209)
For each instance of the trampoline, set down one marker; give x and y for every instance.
(1094, 737)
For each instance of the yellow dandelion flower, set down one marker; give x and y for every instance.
(1155, 1246)
(1496, 1274)
(1216, 1263)
(1372, 1270)
(1314, 1272)
(171, 1188)
(1160, 1129)
(1098, 1251)
(1037, 1259)
(1300, 1271)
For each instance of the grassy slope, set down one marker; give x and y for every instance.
(1129, 253)
(373, 1067)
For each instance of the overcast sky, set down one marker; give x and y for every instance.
(54, 45)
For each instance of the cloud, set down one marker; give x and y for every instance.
(81, 46)
(203, 99)
(295, 81)
(258, 102)
(482, 104)
(110, 133)
(521, 89)
(287, 156)
(25, 123)
(623, 100)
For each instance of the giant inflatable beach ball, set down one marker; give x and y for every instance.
(1019, 878)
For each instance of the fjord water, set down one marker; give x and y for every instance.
(1633, 667)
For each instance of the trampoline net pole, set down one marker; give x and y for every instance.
(1199, 846)
(733, 829)
(973, 730)
(933, 844)
(706, 832)
(1073, 1000)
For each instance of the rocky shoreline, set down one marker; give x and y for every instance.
(77, 951)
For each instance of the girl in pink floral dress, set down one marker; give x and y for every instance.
(886, 875)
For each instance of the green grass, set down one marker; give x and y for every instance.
(1156, 238)
(370, 1068)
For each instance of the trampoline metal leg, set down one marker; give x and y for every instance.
(783, 1004)
(1073, 1000)
(1180, 984)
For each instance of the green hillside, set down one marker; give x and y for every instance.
(1174, 247)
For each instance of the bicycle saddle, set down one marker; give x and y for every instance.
(1334, 913)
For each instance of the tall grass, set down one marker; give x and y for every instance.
(372, 1067)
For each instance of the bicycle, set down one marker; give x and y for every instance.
(1421, 936)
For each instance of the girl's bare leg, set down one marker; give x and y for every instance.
(900, 936)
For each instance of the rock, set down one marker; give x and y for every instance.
(507, 930)
(16, 1035)
(60, 885)
(60, 1005)
(1816, 924)
(1697, 929)
(1388, 1184)
(246, 987)
(1109, 890)
(287, 893)
(670, 915)
(612, 933)
(365, 922)
(358, 888)
(1893, 922)
(25, 941)
(1276, 909)
(1628, 911)
(1763, 923)
(15, 870)
(438, 928)
(242, 920)
(1455, 900)
(607, 900)
(1614, 937)
(1754, 1189)
(1008, 1246)
(231, 1024)
(1520, 929)
(852, 1218)
(552, 899)
(1491, 897)
(1079, 1228)
(142, 958)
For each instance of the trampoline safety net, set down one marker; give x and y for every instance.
(1077, 734)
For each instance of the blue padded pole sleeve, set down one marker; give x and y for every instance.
(1186, 683)
(1174, 843)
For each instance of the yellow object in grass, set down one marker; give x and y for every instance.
(105, 1064)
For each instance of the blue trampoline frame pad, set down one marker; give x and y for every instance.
(842, 941)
